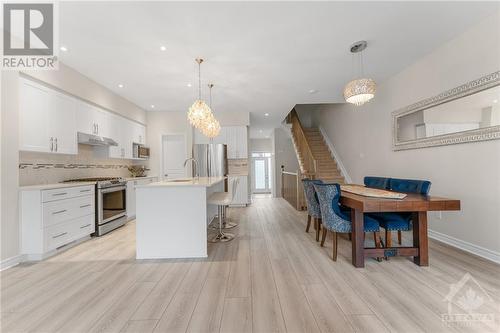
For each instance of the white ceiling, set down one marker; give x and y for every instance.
(262, 57)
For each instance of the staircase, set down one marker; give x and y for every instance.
(315, 159)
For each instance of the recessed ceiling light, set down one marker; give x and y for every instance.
(163, 48)
(189, 85)
(495, 101)
(266, 114)
(63, 48)
(267, 136)
(120, 85)
(313, 91)
(152, 106)
(260, 131)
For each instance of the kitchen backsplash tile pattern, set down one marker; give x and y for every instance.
(41, 168)
(238, 167)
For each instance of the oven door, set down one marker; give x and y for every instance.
(112, 203)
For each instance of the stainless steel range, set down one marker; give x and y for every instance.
(111, 209)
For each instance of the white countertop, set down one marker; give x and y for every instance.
(138, 178)
(185, 182)
(53, 186)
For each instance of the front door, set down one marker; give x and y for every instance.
(261, 173)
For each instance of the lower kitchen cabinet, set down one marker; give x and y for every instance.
(241, 197)
(131, 184)
(52, 218)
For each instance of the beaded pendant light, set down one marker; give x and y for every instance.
(359, 91)
(211, 127)
(199, 113)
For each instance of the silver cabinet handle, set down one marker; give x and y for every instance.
(87, 190)
(60, 193)
(51, 144)
(56, 144)
(87, 205)
(85, 226)
(97, 126)
(59, 212)
(57, 236)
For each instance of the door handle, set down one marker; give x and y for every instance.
(51, 144)
(56, 144)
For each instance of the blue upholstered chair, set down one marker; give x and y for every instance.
(336, 220)
(401, 221)
(377, 182)
(313, 211)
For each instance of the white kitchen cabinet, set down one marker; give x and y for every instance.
(241, 196)
(33, 117)
(53, 218)
(138, 133)
(131, 184)
(47, 120)
(62, 123)
(235, 137)
(92, 120)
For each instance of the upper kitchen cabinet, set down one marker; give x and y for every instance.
(47, 120)
(235, 137)
(138, 133)
(92, 120)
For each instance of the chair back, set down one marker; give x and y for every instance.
(332, 218)
(311, 197)
(377, 182)
(234, 188)
(410, 186)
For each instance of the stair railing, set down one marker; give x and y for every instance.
(309, 163)
(292, 189)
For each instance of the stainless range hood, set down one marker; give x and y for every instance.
(95, 140)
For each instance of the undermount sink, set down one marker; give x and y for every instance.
(180, 180)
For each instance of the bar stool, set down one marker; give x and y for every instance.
(223, 199)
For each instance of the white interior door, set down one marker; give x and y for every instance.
(173, 155)
(261, 174)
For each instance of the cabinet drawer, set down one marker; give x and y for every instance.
(66, 193)
(58, 235)
(66, 232)
(84, 226)
(55, 212)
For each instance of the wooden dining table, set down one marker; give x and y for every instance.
(417, 204)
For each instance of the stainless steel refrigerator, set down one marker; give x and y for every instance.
(212, 159)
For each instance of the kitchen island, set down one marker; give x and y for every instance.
(172, 217)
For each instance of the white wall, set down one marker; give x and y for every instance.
(9, 166)
(65, 79)
(469, 172)
(261, 145)
(161, 123)
(284, 154)
(70, 81)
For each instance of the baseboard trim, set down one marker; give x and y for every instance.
(11, 262)
(336, 156)
(465, 246)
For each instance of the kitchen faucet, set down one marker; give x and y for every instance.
(195, 166)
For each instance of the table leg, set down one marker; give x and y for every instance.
(358, 244)
(420, 239)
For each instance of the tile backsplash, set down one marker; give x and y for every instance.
(238, 166)
(41, 168)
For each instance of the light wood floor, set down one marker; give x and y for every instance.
(272, 277)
